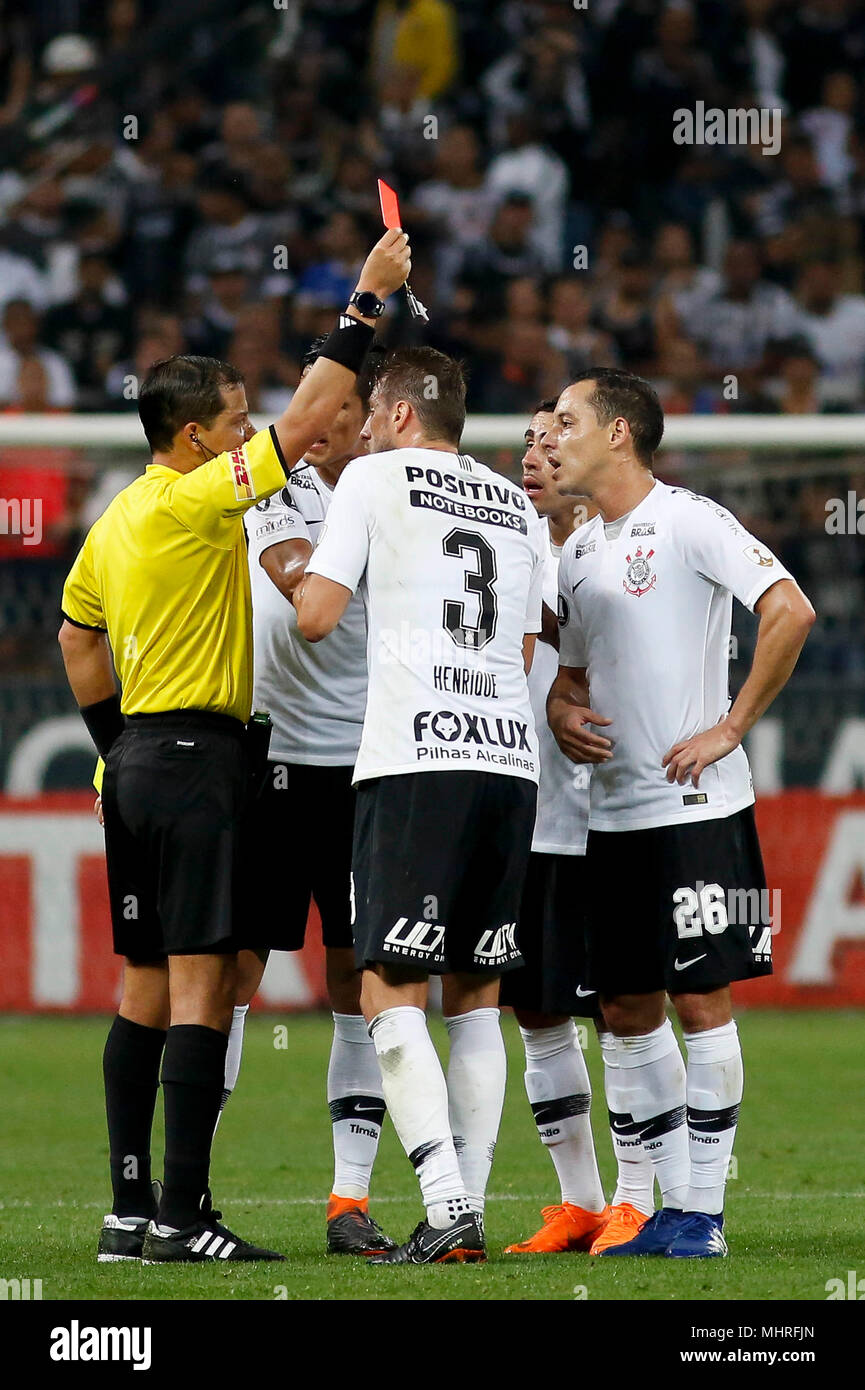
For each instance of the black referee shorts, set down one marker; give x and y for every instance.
(173, 798)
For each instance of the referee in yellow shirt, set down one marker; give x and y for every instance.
(161, 584)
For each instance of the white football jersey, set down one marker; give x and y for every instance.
(646, 608)
(562, 820)
(450, 557)
(315, 691)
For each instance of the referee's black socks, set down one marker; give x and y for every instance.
(193, 1074)
(130, 1066)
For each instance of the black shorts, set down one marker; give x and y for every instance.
(173, 798)
(681, 908)
(552, 940)
(300, 833)
(438, 867)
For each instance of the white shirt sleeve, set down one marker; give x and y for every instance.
(275, 519)
(343, 545)
(717, 546)
(535, 603)
(572, 646)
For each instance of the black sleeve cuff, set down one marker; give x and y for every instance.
(85, 627)
(279, 454)
(104, 722)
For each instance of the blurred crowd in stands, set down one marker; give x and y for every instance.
(200, 175)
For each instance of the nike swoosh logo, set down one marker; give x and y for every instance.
(575, 587)
(366, 1109)
(620, 1129)
(683, 965)
(583, 993)
(448, 1238)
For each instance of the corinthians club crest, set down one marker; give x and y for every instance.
(639, 576)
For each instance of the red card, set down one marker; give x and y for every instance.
(389, 205)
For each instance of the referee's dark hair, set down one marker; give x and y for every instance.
(619, 393)
(434, 386)
(366, 377)
(179, 389)
(546, 407)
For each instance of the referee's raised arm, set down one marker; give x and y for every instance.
(160, 594)
(324, 388)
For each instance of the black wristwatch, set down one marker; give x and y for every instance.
(367, 304)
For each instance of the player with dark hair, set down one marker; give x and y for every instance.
(316, 697)
(549, 990)
(160, 593)
(646, 590)
(448, 555)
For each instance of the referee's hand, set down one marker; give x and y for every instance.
(575, 740)
(388, 264)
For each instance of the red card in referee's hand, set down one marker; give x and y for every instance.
(389, 205)
(390, 218)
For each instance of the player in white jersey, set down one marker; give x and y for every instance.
(316, 696)
(549, 990)
(676, 877)
(449, 559)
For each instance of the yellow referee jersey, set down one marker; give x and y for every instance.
(164, 572)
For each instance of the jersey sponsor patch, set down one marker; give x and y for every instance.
(270, 528)
(449, 727)
(468, 511)
(243, 489)
(643, 528)
(299, 478)
(588, 549)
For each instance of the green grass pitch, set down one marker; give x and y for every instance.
(796, 1208)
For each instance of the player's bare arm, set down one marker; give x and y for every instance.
(569, 715)
(549, 632)
(326, 385)
(786, 618)
(285, 563)
(529, 640)
(87, 658)
(320, 604)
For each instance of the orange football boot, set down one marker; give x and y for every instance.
(566, 1227)
(624, 1222)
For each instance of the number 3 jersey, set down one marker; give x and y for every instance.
(449, 558)
(645, 606)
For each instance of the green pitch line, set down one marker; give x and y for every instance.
(794, 1219)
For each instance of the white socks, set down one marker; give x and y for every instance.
(417, 1098)
(233, 1054)
(715, 1085)
(560, 1094)
(477, 1072)
(356, 1101)
(635, 1180)
(651, 1085)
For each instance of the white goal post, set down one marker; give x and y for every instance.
(821, 433)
